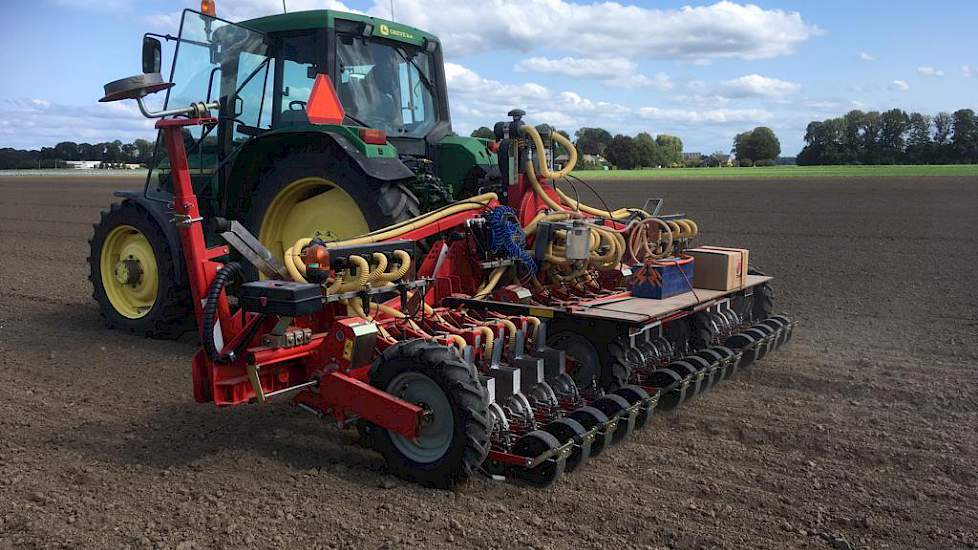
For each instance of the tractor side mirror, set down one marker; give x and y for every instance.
(152, 55)
(135, 87)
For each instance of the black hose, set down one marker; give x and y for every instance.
(209, 319)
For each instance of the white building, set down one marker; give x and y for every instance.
(82, 164)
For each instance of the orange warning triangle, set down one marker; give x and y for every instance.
(324, 105)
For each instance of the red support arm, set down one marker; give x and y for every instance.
(185, 207)
(347, 396)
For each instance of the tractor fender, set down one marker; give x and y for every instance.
(259, 151)
(163, 218)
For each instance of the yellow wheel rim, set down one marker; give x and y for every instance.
(129, 273)
(310, 207)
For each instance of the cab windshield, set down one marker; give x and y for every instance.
(386, 85)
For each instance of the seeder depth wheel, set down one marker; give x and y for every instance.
(613, 406)
(568, 429)
(592, 418)
(535, 444)
(636, 394)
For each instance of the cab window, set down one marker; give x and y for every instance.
(302, 58)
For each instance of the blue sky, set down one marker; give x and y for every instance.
(704, 71)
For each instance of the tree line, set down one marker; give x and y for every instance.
(892, 137)
(624, 152)
(109, 152)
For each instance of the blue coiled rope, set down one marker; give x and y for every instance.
(506, 237)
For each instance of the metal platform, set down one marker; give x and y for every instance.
(622, 308)
(641, 310)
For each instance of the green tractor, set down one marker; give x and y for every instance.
(266, 165)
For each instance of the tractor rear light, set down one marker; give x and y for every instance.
(373, 137)
(207, 7)
(493, 146)
(324, 105)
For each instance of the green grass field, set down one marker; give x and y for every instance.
(788, 172)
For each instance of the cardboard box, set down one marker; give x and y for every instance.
(744, 253)
(719, 268)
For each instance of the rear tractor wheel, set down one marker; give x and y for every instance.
(133, 275)
(317, 194)
(454, 441)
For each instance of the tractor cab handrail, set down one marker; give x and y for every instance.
(194, 110)
(139, 86)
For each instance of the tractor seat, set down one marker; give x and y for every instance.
(293, 117)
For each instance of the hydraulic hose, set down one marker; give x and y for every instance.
(292, 254)
(562, 215)
(390, 276)
(209, 317)
(562, 173)
(377, 272)
(363, 275)
(491, 283)
(490, 338)
(638, 241)
(535, 321)
(511, 327)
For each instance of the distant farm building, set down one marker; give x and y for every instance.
(82, 164)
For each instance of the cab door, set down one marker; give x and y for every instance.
(301, 56)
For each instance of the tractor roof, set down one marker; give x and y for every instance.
(319, 19)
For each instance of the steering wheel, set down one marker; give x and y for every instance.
(301, 105)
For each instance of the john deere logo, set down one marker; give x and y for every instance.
(387, 31)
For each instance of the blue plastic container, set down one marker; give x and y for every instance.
(663, 278)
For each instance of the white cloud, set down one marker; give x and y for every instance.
(711, 116)
(660, 81)
(969, 71)
(867, 56)
(579, 67)
(755, 85)
(822, 104)
(478, 101)
(899, 85)
(930, 71)
(37, 122)
(722, 30)
(616, 72)
(467, 83)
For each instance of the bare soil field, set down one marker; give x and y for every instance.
(862, 433)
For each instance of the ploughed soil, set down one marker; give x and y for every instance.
(863, 432)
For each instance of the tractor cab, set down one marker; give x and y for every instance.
(388, 78)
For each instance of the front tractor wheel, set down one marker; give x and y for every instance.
(133, 276)
(454, 439)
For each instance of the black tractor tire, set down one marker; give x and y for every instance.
(762, 304)
(469, 404)
(702, 333)
(382, 203)
(622, 358)
(172, 313)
